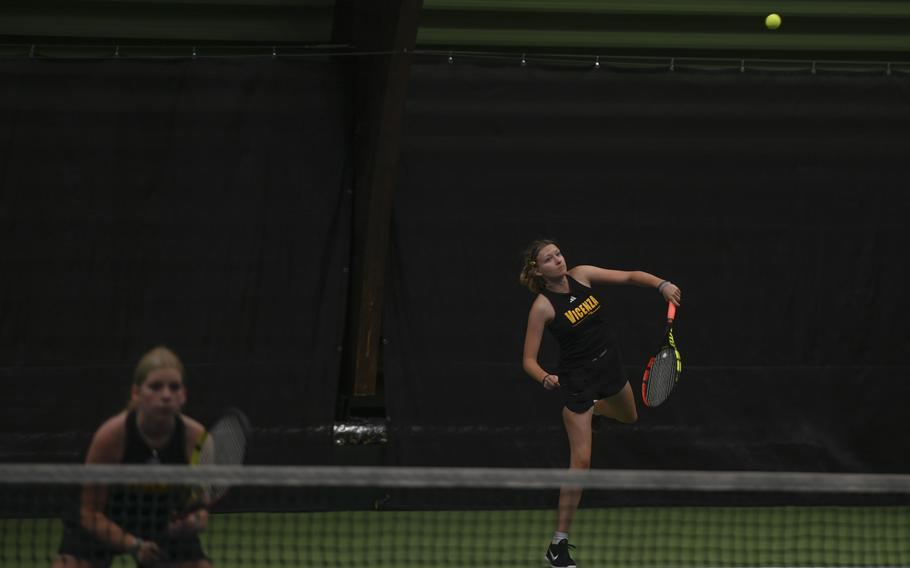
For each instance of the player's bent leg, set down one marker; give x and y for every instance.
(620, 406)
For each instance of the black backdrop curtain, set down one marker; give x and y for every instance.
(197, 204)
(771, 199)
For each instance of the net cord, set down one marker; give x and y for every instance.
(417, 477)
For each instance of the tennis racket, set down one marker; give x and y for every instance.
(225, 443)
(663, 370)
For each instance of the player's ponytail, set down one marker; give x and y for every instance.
(528, 276)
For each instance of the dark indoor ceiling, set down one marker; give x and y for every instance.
(865, 30)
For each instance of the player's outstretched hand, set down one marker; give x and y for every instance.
(672, 294)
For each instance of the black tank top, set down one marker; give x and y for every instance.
(136, 450)
(146, 509)
(579, 325)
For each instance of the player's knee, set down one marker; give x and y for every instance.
(630, 417)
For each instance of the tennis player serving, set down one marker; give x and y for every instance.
(590, 376)
(140, 520)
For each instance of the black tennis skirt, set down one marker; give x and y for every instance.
(601, 377)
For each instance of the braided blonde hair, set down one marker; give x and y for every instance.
(534, 282)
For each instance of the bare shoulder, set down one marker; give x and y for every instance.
(193, 427)
(593, 275)
(113, 427)
(542, 308)
(108, 442)
(582, 273)
(194, 432)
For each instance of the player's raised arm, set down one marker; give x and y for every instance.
(594, 275)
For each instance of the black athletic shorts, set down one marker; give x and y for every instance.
(80, 544)
(601, 377)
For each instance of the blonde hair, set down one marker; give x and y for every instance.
(158, 358)
(534, 282)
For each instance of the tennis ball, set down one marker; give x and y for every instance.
(772, 22)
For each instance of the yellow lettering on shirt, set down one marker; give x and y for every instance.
(586, 308)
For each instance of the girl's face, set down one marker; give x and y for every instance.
(550, 263)
(162, 392)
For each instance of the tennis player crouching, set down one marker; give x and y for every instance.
(590, 376)
(140, 520)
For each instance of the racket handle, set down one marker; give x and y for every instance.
(671, 311)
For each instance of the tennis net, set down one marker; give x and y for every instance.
(427, 517)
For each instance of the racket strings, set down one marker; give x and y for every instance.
(662, 377)
(229, 440)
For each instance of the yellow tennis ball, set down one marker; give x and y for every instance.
(772, 22)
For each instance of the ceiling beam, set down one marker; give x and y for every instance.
(387, 28)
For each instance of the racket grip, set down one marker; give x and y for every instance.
(671, 311)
